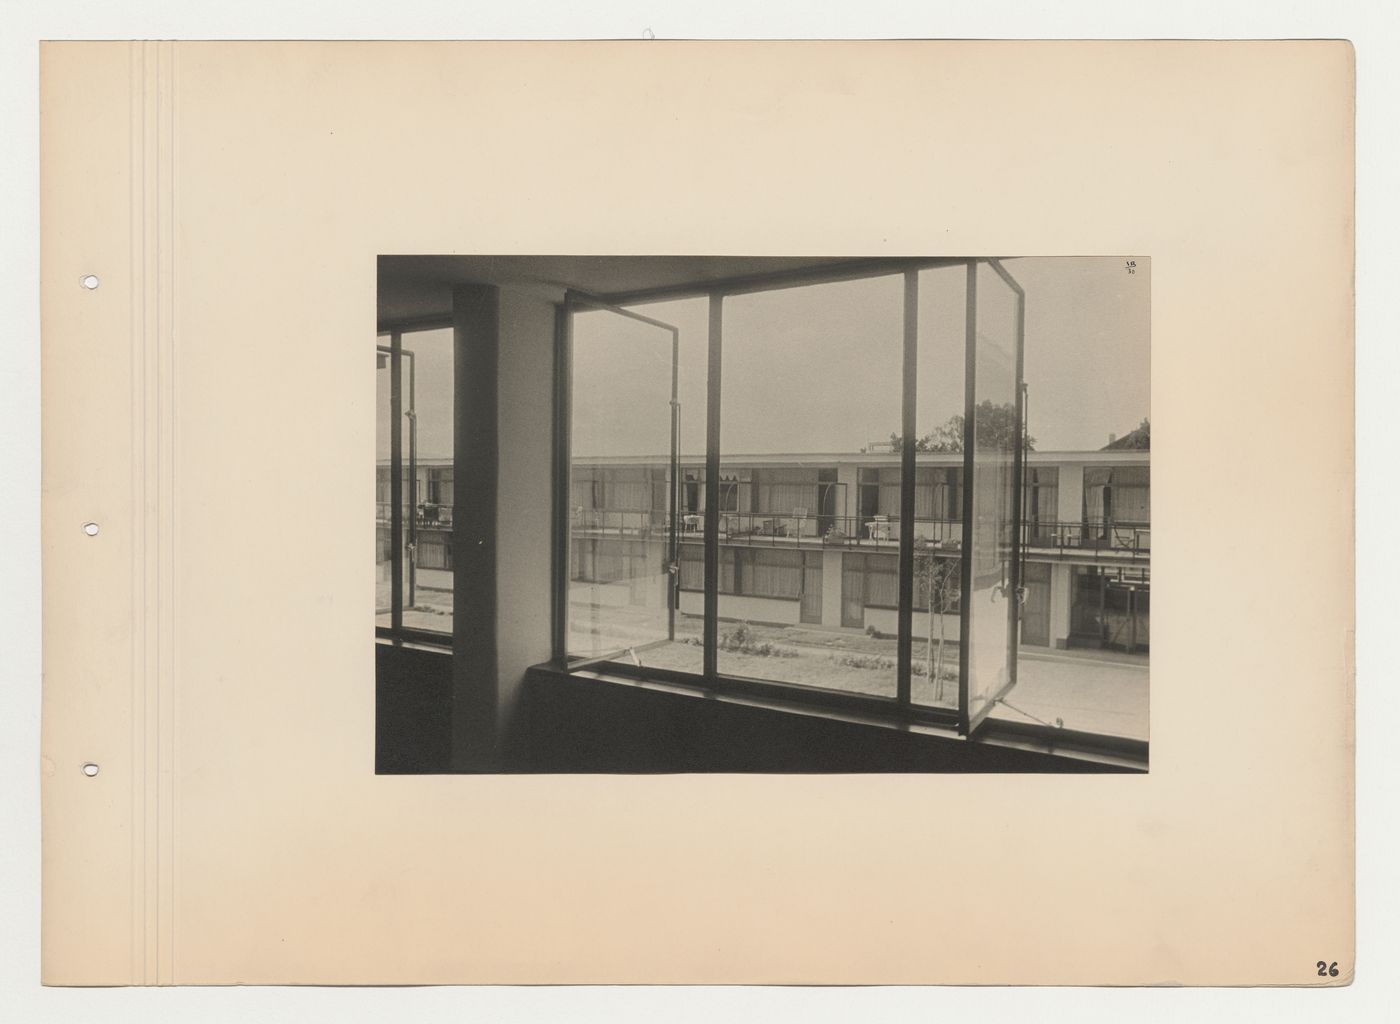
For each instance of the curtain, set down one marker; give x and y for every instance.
(692, 558)
(1131, 505)
(629, 494)
(784, 498)
(882, 580)
(772, 573)
(936, 493)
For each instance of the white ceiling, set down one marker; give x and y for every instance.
(420, 286)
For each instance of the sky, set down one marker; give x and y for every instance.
(817, 368)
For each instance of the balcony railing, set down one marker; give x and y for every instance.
(805, 530)
(427, 514)
(773, 528)
(1099, 536)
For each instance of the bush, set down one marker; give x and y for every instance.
(919, 670)
(885, 664)
(742, 640)
(864, 661)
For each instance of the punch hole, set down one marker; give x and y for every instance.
(90, 529)
(89, 281)
(90, 769)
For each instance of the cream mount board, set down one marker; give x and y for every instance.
(231, 200)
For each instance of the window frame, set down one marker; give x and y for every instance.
(967, 722)
(561, 542)
(900, 708)
(395, 331)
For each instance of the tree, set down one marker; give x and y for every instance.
(996, 429)
(937, 579)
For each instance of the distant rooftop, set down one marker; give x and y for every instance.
(1136, 440)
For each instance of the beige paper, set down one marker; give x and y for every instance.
(232, 199)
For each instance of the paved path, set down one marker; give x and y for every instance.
(1091, 693)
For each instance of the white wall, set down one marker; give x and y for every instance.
(644, 592)
(745, 609)
(886, 620)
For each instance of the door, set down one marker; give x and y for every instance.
(1035, 615)
(1142, 620)
(853, 590)
(826, 501)
(812, 588)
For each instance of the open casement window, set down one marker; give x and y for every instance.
(624, 485)
(992, 453)
(803, 583)
(414, 501)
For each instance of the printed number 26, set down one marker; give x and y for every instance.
(1324, 969)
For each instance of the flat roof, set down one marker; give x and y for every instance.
(1122, 457)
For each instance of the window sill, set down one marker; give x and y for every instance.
(441, 644)
(1079, 751)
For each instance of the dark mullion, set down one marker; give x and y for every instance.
(563, 398)
(673, 565)
(412, 527)
(903, 680)
(748, 284)
(396, 479)
(712, 488)
(969, 445)
(1018, 492)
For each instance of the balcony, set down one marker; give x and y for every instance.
(1069, 541)
(1093, 536)
(428, 515)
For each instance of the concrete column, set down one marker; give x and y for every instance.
(524, 496)
(504, 359)
(476, 346)
(1061, 594)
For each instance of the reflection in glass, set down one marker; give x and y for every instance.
(809, 533)
(383, 491)
(938, 490)
(625, 504)
(989, 601)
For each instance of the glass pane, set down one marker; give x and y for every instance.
(383, 500)
(622, 593)
(1085, 623)
(809, 528)
(990, 603)
(427, 491)
(938, 483)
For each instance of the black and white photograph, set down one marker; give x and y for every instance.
(763, 514)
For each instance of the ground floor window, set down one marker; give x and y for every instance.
(1111, 608)
(750, 572)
